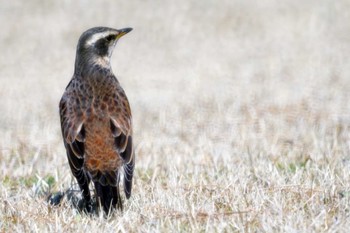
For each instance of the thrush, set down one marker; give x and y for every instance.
(96, 121)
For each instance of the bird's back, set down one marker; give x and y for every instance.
(98, 104)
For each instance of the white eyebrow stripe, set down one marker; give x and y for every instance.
(96, 37)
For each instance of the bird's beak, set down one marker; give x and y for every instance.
(123, 31)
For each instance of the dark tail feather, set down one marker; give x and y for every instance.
(108, 197)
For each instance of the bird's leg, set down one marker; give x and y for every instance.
(99, 195)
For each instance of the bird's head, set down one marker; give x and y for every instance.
(96, 45)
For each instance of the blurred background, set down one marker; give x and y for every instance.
(217, 74)
(238, 105)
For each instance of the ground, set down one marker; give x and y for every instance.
(241, 114)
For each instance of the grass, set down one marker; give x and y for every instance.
(241, 114)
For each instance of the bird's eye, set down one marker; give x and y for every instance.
(110, 38)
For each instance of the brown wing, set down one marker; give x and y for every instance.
(121, 127)
(73, 133)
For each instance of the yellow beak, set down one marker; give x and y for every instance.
(123, 31)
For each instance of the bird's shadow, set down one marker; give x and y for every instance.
(74, 199)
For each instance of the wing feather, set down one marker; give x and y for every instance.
(73, 141)
(121, 128)
(128, 176)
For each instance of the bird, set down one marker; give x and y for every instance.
(96, 122)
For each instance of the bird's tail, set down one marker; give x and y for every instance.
(108, 197)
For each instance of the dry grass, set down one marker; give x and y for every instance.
(241, 113)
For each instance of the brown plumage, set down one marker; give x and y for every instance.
(96, 121)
